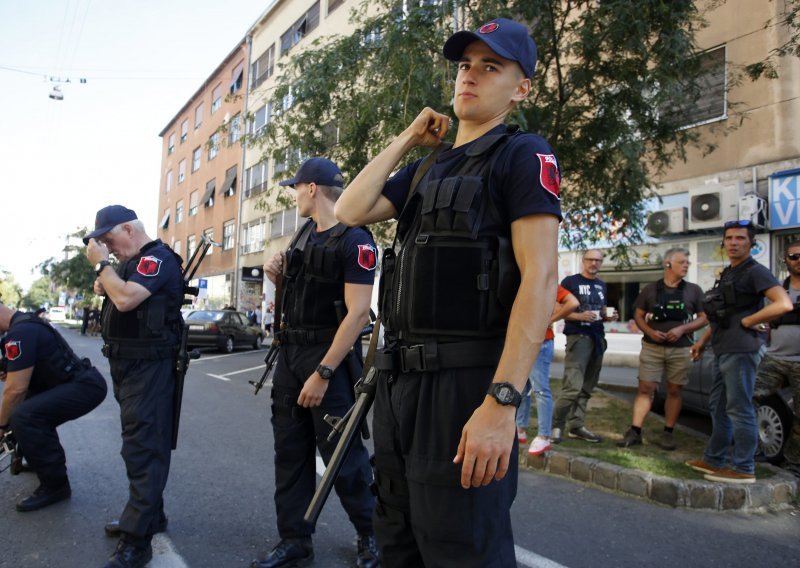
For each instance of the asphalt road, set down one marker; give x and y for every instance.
(219, 499)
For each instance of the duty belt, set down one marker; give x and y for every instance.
(138, 351)
(305, 336)
(433, 356)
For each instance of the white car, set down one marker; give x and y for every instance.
(57, 313)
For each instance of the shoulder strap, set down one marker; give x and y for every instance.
(423, 169)
(786, 283)
(301, 237)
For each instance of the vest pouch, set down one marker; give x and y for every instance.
(509, 278)
(155, 315)
(444, 200)
(466, 207)
(386, 288)
(428, 211)
(317, 289)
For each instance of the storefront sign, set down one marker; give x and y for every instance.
(784, 199)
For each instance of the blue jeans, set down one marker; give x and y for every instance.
(733, 416)
(540, 377)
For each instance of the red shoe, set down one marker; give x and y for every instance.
(522, 435)
(539, 446)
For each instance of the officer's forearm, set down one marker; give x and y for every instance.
(125, 296)
(346, 335)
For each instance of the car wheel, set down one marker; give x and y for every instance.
(258, 342)
(227, 347)
(774, 426)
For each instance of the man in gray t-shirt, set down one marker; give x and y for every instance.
(664, 312)
(781, 364)
(734, 309)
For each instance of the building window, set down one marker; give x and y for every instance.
(198, 116)
(333, 4)
(184, 130)
(283, 223)
(263, 67)
(253, 236)
(194, 199)
(228, 230)
(164, 223)
(229, 185)
(208, 196)
(179, 211)
(300, 28)
(216, 98)
(288, 100)
(176, 246)
(209, 234)
(237, 76)
(256, 178)
(171, 144)
(196, 159)
(235, 130)
(711, 105)
(191, 245)
(169, 181)
(213, 146)
(261, 118)
(181, 171)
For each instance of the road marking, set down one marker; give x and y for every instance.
(164, 554)
(202, 359)
(320, 466)
(533, 560)
(220, 377)
(243, 371)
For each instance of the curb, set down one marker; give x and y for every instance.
(777, 492)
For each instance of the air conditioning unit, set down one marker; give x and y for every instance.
(754, 209)
(713, 205)
(666, 222)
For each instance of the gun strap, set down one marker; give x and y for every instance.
(369, 360)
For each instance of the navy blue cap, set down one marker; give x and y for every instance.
(316, 170)
(108, 218)
(505, 37)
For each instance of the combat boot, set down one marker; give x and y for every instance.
(44, 496)
(128, 555)
(289, 552)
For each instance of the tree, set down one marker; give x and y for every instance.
(612, 80)
(38, 294)
(74, 272)
(789, 18)
(10, 290)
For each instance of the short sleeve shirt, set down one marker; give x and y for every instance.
(156, 269)
(592, 294)
(357, 252)
(25, 344)
(648, 299)
(750, 281)
(784, 340)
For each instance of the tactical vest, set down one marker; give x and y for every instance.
(723, 300)
(60, 365)
(793, 317)
(455, 276)
(152, 330)
(672, 310)
(314, 281)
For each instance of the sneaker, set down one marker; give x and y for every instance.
(45, 496)
(556, 436)
(631, 438)
(729, 475)
(539, 446)
(289, 552)
(367, 551)
(701, 466)
(667, 441)
(522, 435)
(586, 435)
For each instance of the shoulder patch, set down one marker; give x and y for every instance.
(367, 257)
(148, 266)
(13, 350)
(549, 176)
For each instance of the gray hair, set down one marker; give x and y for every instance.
(673, 251)
(136, 224)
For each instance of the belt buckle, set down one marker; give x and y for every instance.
(412, 358)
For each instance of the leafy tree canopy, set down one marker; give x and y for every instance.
(10, 290)
(38, 294)
(73, 273)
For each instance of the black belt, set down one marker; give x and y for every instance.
(153, 351)
(305, 336)
(433, 356)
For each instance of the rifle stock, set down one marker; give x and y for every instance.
(275, 347)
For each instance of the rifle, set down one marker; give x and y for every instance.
(349, 426)
(183, 356)
(275, 347)
(9, 451)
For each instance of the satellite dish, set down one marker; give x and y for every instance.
(56, 94)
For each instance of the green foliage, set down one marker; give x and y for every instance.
(10, 290)
(608, 92)
(38, 294)
(74, 272)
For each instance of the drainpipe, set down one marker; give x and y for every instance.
(243, 126)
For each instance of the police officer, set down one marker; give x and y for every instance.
(467, 299)
(46, 385)
(328, 272)
(141, 326)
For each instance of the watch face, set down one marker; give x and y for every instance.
(505, 395)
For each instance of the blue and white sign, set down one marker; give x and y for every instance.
(784, 199)
(202, 286)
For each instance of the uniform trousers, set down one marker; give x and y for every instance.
(299, 432)
(144, 390)
(423, 516)
(34, 422)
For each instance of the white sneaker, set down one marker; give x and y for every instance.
(539, 446)
(522, 435)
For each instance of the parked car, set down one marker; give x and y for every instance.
(57, 313)
(223, 329)
(774, 413)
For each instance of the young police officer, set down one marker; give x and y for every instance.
(141, 331)
(46, 386)
(328, 272)
(467, 299)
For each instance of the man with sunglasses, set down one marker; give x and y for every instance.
(781, 364)
(734, 309)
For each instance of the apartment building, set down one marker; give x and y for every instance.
(201, 177)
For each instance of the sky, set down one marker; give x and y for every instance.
(63, 160)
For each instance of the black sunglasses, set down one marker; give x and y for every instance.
(793, 256)
(739, 223)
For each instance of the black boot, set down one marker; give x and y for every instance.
(289, 552)
(45, 495)
(130, 556)
(367, 552)
(112, 527)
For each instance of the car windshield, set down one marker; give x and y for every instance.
(204, 316)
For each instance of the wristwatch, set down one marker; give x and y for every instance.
(325, 372)
(98, 268)
(505, 394)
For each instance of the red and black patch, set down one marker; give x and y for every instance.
(13, 350)
(367, 257)
(149, 266)
(488, 28)
(549, 176)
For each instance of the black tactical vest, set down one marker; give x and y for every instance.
(793, 317)
(155, 323)
(455, 276)
(723, 300)
(314, 281)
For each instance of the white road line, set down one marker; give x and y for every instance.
(202, 358)
(320, 466)
(533, 560)
(243, 371)
(164, 554)
(221, 378)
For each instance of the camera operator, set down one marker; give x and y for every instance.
(46, 385)
(665, 311)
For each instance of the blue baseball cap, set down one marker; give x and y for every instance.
(108, 218)
(316, 170)
(505, 37)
